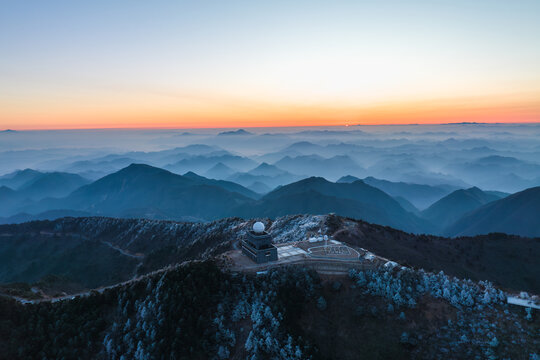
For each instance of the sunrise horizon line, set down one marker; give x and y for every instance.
(15, 129)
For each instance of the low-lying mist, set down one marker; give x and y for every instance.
(499, 157)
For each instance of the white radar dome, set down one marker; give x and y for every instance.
(258, 227)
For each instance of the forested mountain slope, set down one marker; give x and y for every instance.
(197, 311)
(91, 252)
(515, 214)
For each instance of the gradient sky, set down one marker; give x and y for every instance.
(94, 64)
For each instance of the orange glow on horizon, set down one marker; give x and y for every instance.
(234, 114)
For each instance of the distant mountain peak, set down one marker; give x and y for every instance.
(191, 174)
(141, 167)
(266, 169)
(475, 190)
(237, 132)
(314, 180)
(301, 144)
(347, 179)
(221, 166)
(23, 171)
(138, 166)
(465, 123)
(456, 204)
(303, 147)
(219, 171)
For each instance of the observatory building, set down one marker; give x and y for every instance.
(258, 245)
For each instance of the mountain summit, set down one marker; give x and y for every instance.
(453, 206)
(144, 191)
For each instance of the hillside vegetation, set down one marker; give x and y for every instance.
(196, 311)
(92, 252)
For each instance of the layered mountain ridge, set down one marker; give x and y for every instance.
(143, 191)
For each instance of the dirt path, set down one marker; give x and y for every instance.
(122, 251)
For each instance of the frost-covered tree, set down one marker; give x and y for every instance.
(404, 338)
(528, 314)
(321, 303)
(223, 352)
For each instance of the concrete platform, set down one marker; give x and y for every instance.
(335, 259)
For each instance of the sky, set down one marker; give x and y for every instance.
(190, 64)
